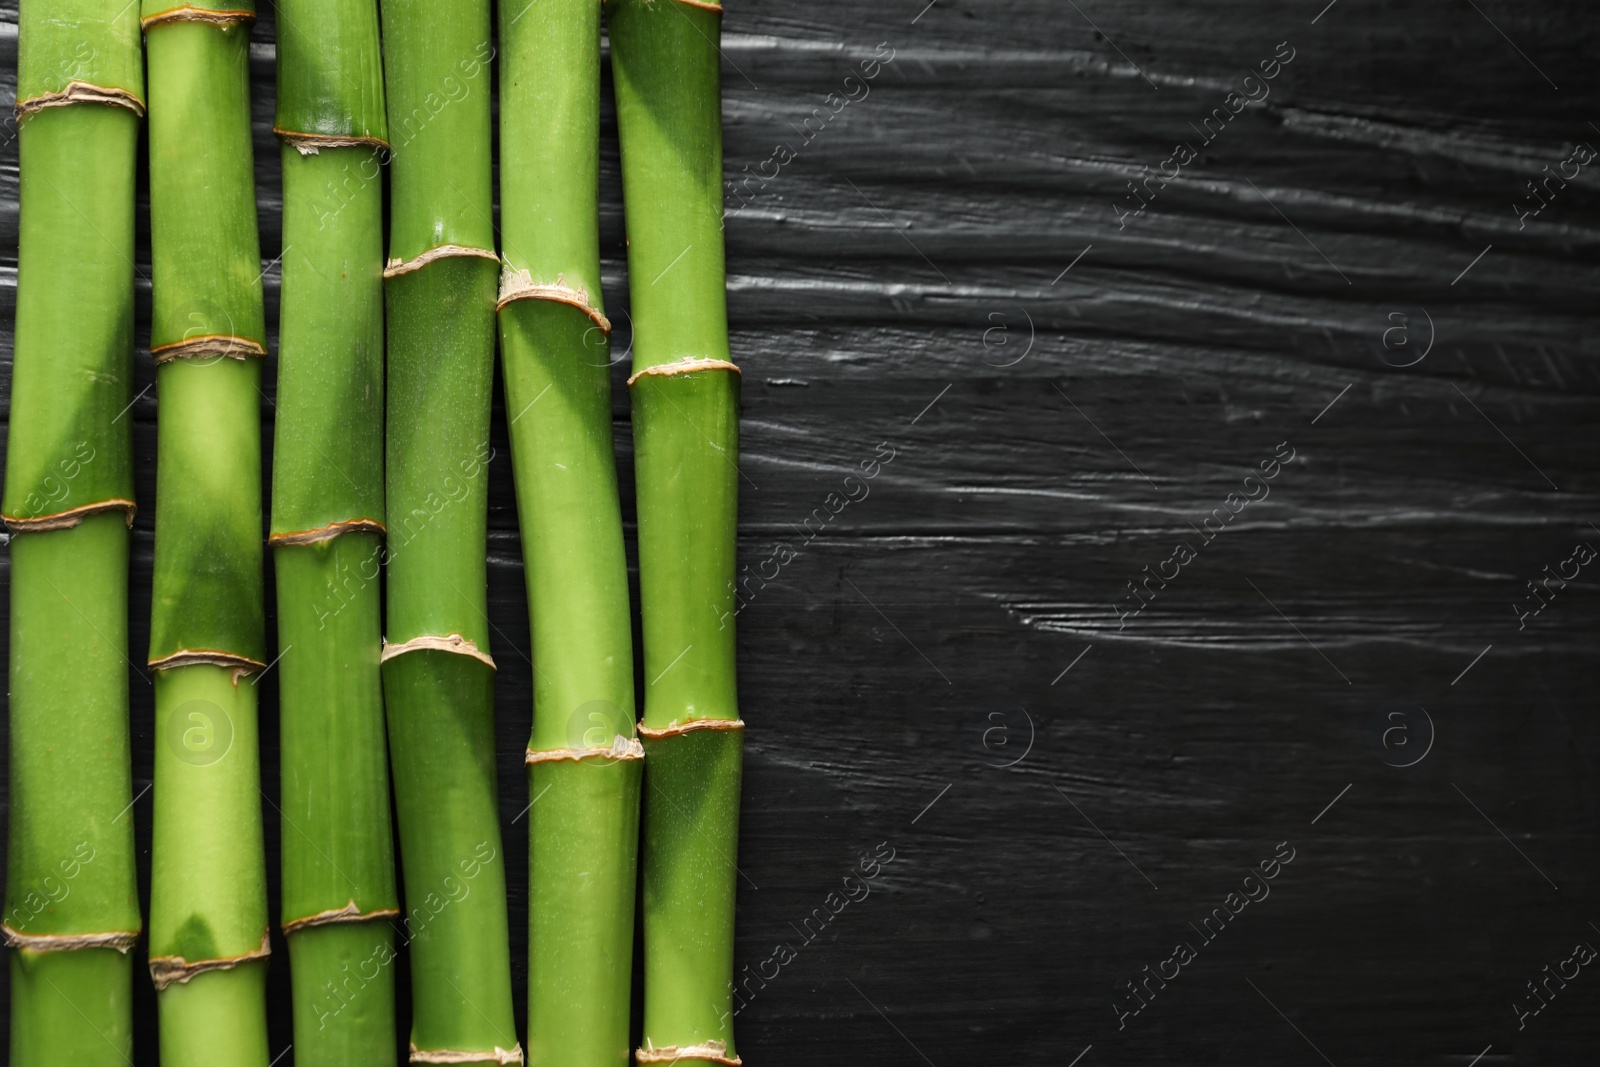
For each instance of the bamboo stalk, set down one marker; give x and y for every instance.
(583, 760)
(72, 906)
(327, 521)
(208, 906)
(437, 673)
(685, 396)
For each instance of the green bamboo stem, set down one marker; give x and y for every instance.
(583, 760)
(437, 673)
(72, 908)
(339, 886)
(208, 907)
(685, 396)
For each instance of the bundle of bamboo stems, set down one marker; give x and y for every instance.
(72, 909)
(339, 890)
(367, 483)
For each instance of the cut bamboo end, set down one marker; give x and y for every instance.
(396, 267)
(461, 646)
(713, 1051)
(703, 6)
(240, 348)
(675, 728)
(622, 748)
(121, 940)
(445, 1055)
(685, 366)
(309, 144)
(327, 533)
(196, 14)
(350, 913)
(208, 657)
(165, 970)
(80, 93)
(66, 520)
(519, 285)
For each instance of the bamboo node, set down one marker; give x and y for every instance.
(672, 729)
(350, 913)
(702, 5)
(121, 940)
(164, 970)
(685, 366)
(396, 267)
(328, 532)
(712, 1051)
(76, 92)
(66, 520)
(309, 144)
(450, 643)
(622, 748)
(186, 13)
(240, 348)
(445, 1055)
(519, 285)
(209, 657)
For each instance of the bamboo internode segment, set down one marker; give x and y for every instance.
(71, 911)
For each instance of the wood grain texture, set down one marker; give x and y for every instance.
(915, 279)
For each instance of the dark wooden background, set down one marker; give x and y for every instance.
(905, 280)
